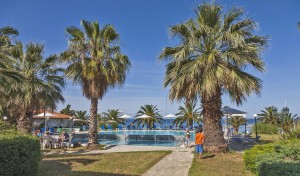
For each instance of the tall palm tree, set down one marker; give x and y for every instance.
(41, 86)
(214, 50)
(289, 121)
(81, 115)
(236, 122)
(151, 111)
(7, 74)
(269, 115)
(96, 63)
(188, 114)
(112, 117)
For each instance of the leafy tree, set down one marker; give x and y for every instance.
(289, 121)
(67, 110)
(96, 63)
(151, 111)
(236, 122)
(41, 86)
(7, 73)
(111, 117)
(81, 115)
(188, 114)
(269, 115)
(210, 60)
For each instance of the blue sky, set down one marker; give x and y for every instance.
(143, 28)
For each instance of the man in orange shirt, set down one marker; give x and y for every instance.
(199, 138)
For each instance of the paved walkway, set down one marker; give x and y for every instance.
(177, 163)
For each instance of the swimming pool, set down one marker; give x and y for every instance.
(137, 137)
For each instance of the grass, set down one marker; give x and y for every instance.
(108, 164)
(227, 164)
(267, 138)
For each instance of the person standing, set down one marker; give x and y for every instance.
(199, 138)
(187, 138)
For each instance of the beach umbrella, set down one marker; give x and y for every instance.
(169, 116)
(144, 116)
(227, 111)
(125, 116)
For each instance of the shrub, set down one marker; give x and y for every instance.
(263, 128)
(20, 154)
(251, 156)
(264, 159)
(280, 168)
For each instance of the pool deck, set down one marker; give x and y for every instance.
(177, 163)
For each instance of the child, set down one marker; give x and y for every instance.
(187, 138)
(199, 138)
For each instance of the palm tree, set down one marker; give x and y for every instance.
(188, 114)
(214, 50)
(67, 110)
(41, 86)
(236, 122)
(269, 115)
(81, 115)
(112, 117)
(96, 63)
(7, 73)
(289, 121)
(151, 111)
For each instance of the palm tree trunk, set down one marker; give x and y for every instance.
(214, 140)
(24, 122)
(93, 134)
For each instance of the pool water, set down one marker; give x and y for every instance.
(150, 135)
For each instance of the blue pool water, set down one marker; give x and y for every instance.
(145, 137)
(151, 136)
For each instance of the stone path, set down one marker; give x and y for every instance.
(177, 163)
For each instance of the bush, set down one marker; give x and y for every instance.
(280, 168)
(264, 159)
(20, 154)
(251, 156)
(263, 128)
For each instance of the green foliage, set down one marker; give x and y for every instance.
(188, 113)
(67, 110)
(280, 168)
(265, 128)
(236, 122)
(265, 159)
(20, 154)
(111, 117)
(153, 112)
(269, 115)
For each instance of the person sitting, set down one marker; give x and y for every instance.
(47, 140)
(40, 135)
(65, 137)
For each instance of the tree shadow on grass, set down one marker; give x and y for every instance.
(63, 167)
(210, 155)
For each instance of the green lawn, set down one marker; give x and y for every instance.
(109, 164)
(227, 164)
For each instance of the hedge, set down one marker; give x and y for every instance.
(19, 154)
(266, 159)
